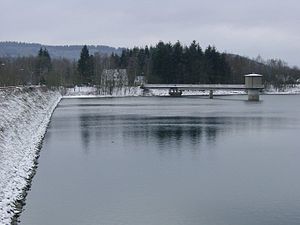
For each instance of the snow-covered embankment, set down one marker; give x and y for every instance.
(88, 92)
(83, 92)
(24, 116)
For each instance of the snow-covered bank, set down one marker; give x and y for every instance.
(165, 92)
(291, 90)
(24, 116)
(88, 92)
(83, 92)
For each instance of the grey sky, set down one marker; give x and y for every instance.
(267, 27)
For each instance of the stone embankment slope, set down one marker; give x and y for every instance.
(24, 116)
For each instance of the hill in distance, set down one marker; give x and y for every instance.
(239, 65)
(71, 52)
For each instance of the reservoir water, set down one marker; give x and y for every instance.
(169, 161)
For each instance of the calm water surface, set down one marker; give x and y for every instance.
(169, 161)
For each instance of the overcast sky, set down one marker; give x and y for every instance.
(268, 28)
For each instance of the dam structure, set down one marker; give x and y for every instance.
(253, 86)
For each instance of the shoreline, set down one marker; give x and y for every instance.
(21, 202)
(127, 96)
(26, 117)
(93, 92)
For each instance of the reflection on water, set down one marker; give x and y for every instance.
(85, 132)
(169, 161)
(163, 131)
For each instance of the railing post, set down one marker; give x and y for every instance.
(211, 94)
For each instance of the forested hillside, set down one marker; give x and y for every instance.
(174, 63)
(162, 63)
(275, 71)
(71, 52)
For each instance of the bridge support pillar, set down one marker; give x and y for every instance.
(145, 91)
(253, 95)
(211, 94)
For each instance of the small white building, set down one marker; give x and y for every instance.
(114, 78)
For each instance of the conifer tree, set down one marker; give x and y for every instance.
(43, 66)
(85, 66)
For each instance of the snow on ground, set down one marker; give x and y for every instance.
(88, 92)
(286, 91)
(83, 92)
(24, 116)
(165, 92)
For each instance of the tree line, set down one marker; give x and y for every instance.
(162, 63)
(174, 63)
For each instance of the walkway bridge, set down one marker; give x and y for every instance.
(253, 86)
